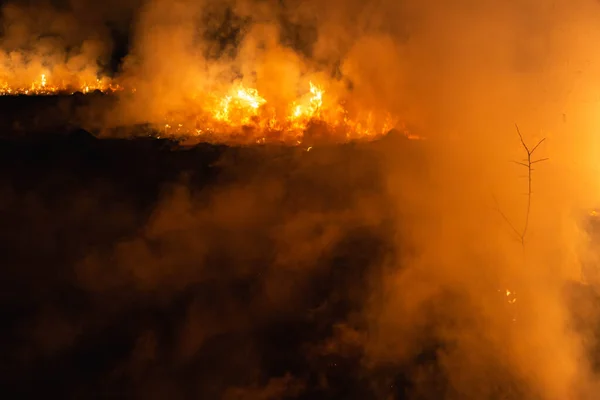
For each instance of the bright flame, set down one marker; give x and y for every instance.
(239, 107)
(45, 86)
(242, 111)
(239, 111)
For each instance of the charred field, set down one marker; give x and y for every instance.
(236, 293)
(138, 268)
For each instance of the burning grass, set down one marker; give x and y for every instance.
(238, 114)
(242, 111)
(44, 86)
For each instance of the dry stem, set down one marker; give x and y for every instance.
(527, 163)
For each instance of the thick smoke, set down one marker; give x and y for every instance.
(185, 50)
(466, 228)
(67, 45)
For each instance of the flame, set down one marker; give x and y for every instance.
(45, 86)
(243, 110)
(301, 114)
(239, 107)
(238, 111)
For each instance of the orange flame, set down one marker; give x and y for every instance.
(45, 87)
(241, 110)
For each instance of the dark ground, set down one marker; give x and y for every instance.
(134, 269)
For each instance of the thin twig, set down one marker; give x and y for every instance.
(529, 171)
(505, 218)
(527, 163)
(537, 145)
(540, 160)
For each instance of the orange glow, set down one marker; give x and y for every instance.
(45, 86)
(239, 111)
(244, 109)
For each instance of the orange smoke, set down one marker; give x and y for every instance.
(265, 91)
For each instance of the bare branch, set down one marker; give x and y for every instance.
(521, 137)
(505, 218)
(527, 163)
(537, 145)
(540, 160)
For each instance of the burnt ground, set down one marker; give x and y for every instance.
(137, 269)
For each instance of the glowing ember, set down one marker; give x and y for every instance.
(511, 296)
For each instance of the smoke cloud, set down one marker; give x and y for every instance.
(473, 267)
(37, 39)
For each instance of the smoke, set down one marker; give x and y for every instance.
(185, 52)
(474, 70)
(40, 39)
(462, 73)
(232, 284)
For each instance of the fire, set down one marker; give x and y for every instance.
(301, 114)
(45, 87)
(240, 107)
(238, 111)
(243, 110)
